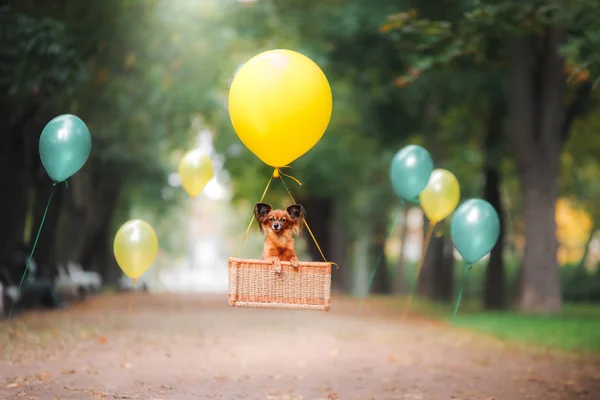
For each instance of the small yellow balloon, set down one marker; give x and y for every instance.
(441, 195)
(135, 247)
(195, 170)
(280, 104)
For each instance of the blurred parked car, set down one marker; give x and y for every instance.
(10, 293)
(35, 291)
(126, 284)
(73, 287)
(92, 280)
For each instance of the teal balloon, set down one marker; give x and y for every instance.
(65, 146)
(416, 200)
(475, 229)
(410, 171)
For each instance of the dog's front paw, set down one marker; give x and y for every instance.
(295, 262)
(277, 265)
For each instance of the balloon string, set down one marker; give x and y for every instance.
(252, 219)
(380, 257)
(277, 174)
(128, 333)
(419, 267)
(462, 287)
(308, 227)
(37, 237)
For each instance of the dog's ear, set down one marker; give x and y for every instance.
(296, 211)
(261, 210)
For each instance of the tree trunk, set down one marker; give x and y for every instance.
(381, 280)
(15, 172)
(87, 217)
(399, 283)
(586, 251)
(537, 117)
(45, 254)
(319, 217)
(444, 280)
(433, 256)
(14, 178)
(495, 277)
(339, 251)
(437, 272)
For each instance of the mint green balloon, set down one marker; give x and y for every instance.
(416, 200)
(410, 171)
(65, 146)
(474, 229)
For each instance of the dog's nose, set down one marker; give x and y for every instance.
(276, 226)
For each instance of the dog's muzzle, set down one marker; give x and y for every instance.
(277, 226)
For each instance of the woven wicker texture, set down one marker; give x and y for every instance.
(256, 283)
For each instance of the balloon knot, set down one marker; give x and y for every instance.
(276, 173)
(133, 280)
(54, 184)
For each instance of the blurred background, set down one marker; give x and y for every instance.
(503, 94)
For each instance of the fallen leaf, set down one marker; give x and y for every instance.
(485, 362)
(126, 365)
(43, 376)
(125, 396)
(392, 358)
(221, 378)
(84, 335)
(102, 340)
(333, 396)
(12, 385)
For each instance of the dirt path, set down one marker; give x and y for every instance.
(193, 347)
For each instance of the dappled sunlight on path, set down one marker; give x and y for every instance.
(192, 346)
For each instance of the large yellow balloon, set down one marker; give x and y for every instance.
(135, 247)
(195, 170)
(441, 195)
(280, 105)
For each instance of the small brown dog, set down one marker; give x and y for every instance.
(278, 227)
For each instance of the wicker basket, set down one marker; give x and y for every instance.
(256, 283)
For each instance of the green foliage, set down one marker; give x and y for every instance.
(483, 34)
(581, 179)
(38, 56)
(571, 331)
(574, 330)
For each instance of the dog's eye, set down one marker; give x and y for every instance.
(271, 219)
(282, 219)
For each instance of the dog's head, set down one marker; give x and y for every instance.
(279, 221)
